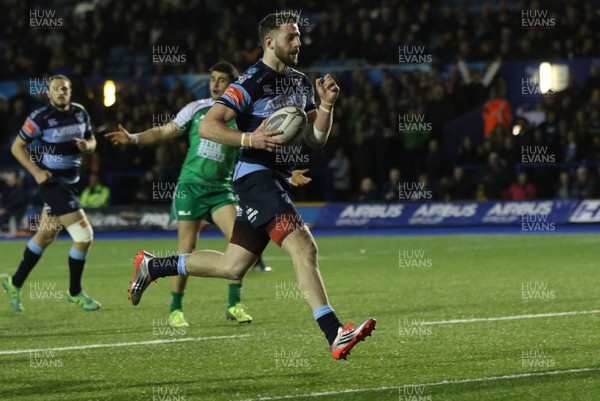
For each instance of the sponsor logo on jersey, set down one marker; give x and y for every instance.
(211, 150)
(182, 213)
(69, 130)
(280, 101)
(242, 78)
(234, 94)
(28, 127)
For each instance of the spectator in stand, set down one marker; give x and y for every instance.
(520, 190)
(562, 189)
(584, 186)
(144, 191)
(164, 167)
(378, 135)
(98, 49)
(592, 153)
(571, 152)
(467, 154)
(361, 152)
(368, 191)
(424, 190)
(472, 32)
(391, 186)
(593, 80)
(510, 154)
(5, 114)
(94, 194)
(415, 145)
(497, 136)
(340, 167)
(15, 119)
(21, 95)
(458, 187)
(475, 84)
(593, 126)
(13, 200)
(493, 177)
(550, 127)
(438, 110)
(496, 111)
(433, 161)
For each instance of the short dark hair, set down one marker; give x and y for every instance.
(274, 21)
(225, 68)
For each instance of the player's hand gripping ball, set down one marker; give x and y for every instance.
(291, 120)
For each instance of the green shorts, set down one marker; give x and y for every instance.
(198, 202)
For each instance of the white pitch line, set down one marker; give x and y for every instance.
(515, 317)
(114, 345)
(440, 383)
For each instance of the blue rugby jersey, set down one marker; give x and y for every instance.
(254, 96)
(55, 131)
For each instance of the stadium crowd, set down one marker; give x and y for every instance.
(111, 37)
(367, 156)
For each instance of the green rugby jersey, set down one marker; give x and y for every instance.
(206, 162)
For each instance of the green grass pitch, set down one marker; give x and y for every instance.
(405, 282)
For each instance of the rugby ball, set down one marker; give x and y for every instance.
(291, 120)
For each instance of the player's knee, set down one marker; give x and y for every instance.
(83, 246)
(233, 271)
(186, 245)
(235, 274)
(312, 249)
(81, 232)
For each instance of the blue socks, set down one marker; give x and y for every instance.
(181, 261)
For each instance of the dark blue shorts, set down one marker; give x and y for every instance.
(262, 196)
(59, 198)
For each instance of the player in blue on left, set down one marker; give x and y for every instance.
(64, 133)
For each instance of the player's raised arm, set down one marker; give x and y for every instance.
(320, 121)
(147, 137)
(214, 127)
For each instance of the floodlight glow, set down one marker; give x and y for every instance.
(110, 93)
(545, 77)
(516, 130)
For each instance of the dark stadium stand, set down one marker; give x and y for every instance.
(360, 44)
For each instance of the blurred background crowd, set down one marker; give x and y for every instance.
(369, 155)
